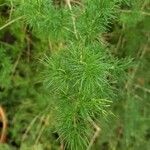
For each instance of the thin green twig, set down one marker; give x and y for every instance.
(10, 22)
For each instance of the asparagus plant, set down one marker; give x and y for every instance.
(80, 73)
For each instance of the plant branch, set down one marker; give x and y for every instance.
(10, 22)
(4, 127)
(46, 120)
(141, 12)
(96, 134)
(68, 2)
(29, 128)
(142, 88)
(16, 63)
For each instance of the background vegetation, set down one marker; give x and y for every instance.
(41, 44)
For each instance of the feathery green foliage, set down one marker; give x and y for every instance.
(77, 80)
(82, 81)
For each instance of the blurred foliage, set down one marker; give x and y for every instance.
(122, 27)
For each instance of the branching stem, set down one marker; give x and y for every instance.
(96, 134)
